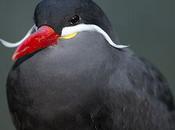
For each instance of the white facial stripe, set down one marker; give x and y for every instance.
(89, 27)
(67, 31)
(11, 45)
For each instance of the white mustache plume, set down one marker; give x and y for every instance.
(12, 45)
(90, 27)
(67, 31)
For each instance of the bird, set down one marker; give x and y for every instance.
(70, 72)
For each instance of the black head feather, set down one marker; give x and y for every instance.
(61, 13)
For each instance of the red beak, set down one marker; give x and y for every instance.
(44, 37)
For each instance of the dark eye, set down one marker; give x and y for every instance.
(74, 20)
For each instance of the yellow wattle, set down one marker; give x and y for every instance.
(69, 36)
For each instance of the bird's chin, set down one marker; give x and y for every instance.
(25, 58)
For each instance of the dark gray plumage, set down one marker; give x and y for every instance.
(86, 84)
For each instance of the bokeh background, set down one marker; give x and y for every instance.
(148, 26)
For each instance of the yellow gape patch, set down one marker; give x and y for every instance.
(68, 36)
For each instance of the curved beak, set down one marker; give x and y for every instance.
(44, 37)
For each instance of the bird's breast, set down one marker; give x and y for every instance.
(61, 79)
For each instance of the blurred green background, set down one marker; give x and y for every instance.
(148, 26)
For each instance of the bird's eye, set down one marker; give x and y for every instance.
(74, 20)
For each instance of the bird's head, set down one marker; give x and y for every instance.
(57, 20)
(61, 14)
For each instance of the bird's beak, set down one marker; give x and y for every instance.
(45, 36)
